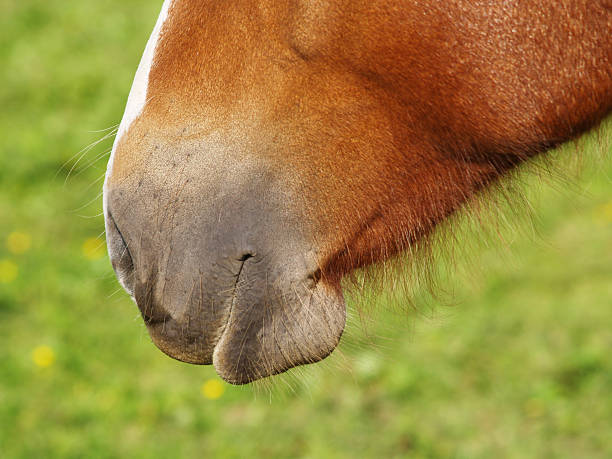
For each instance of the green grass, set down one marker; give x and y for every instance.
(519, 367)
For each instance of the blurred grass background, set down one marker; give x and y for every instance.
(520, 367)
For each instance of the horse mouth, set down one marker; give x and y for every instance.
(250, 331)
(225, 294)
(177, 337)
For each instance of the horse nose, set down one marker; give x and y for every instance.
(120, 254)
(229, 279)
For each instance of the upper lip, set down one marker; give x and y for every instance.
(155, 315)
(243, 260)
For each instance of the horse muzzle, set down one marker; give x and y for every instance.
(223, 273)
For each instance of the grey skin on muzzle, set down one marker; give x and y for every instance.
(214, 251)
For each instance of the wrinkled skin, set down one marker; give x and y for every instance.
(279, 146)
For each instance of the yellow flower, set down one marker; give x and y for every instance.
(212, 389)
(43, 356)
(8, 271)
(93, 248)
(18, 243)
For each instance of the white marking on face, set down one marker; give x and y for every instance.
(138, 94)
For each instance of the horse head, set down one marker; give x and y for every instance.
(269, 149)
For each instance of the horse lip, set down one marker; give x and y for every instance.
(186, 335)
(243, 260)
(235, 353)
(161, 322)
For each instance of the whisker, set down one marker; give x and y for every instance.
(115, 126)
(92, 162)
(83, 152)
(120, 289)
(88, 202)
(95, 182)
(89, 217)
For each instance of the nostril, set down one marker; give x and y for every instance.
(246, 256)
(314, 278)
(119, 251)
